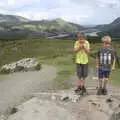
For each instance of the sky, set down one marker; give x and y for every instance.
(84, 12)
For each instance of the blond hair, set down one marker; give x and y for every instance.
(106, 39)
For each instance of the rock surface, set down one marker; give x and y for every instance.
(61, 106)
(41, 110)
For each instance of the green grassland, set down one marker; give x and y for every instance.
(53, 52)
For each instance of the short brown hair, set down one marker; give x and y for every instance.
(81, 34)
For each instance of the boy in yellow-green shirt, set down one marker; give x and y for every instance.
(81, 49)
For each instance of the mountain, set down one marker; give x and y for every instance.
(112, 29)
(12, 22)
(11, 25)
(56, 25)
(7, 22)
(12, 19)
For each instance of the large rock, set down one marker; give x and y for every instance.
(27, 64)
(36, 109)
(65, 105)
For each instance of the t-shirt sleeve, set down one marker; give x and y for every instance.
(76, 45)
(88, 45)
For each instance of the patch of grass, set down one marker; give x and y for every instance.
(115, 77)
(66, 69)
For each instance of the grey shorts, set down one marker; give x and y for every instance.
(82, 70)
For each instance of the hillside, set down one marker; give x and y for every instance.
(15, 26)
(112, 29)
(56, 25)
(12, 19)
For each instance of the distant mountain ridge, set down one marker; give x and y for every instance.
(58, 25)
(12, 24)
(12, 18)
(112, 29)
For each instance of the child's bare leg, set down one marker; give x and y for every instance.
(99, 91)
(100, 82)
(105, 83)
(105, 86)
(82, 81)
(79, 84)
(84, 88)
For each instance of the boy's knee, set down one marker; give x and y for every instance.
(100, 79)
(106, 79)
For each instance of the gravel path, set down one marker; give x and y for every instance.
(17, 87)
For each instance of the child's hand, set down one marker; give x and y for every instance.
(97, 67)
(113, 69)
(81, 46)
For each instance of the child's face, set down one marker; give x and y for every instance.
(81, 40)
(106, 43)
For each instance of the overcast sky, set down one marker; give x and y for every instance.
(77, 11)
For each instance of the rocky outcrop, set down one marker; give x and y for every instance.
(36, 109)
(67, 105)
(27, 64)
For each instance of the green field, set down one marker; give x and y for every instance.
(54, 52)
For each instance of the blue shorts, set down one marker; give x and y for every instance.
(103, 73)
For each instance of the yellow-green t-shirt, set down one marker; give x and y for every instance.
(81, 56)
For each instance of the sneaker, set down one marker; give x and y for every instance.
(99, 91)
(104, 92)
(77, 90)
(84, 89)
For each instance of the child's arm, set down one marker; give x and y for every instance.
(86, 48)
(97, 59)
(113, 65)
(77, 49)
(97, 63)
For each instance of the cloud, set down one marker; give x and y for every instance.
(78, 11)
